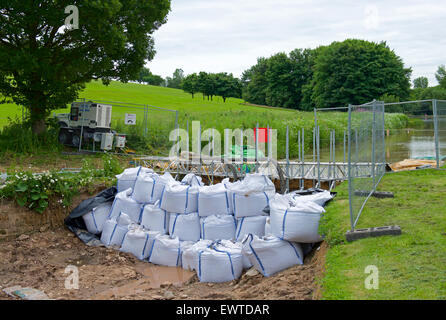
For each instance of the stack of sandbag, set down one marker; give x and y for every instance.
(127, 178)
(94, 220)
(149, 187)
(154, 218)
(215, 230)
(294, 219)
(185, 226)
(218, 227)
(115, 229)
(270, 254)
(138, 242)
(219, 263)
(250, 196)
(214, 200)
(124, 203)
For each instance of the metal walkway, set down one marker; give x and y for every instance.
(292, 170)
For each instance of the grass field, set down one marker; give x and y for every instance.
(411, 266)
(211, 114)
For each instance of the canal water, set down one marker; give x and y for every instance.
(401, 144)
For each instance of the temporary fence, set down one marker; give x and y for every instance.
(427, 135)
(366, 154)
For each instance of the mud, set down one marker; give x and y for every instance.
(39, 261)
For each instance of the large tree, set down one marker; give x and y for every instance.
(43, 65)
(227, 86)
(356, 72)
(190, 84)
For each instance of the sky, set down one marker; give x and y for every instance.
(229, 35)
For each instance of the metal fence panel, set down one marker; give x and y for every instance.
(366, 154)
(440, 140)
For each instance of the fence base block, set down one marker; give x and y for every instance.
(372, 232)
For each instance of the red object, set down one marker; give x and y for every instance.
(263, 135)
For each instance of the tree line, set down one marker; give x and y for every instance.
(348, 72)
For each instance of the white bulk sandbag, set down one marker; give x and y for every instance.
(213, 200)
(144, 187)
(270, 255)
(247, 225)
(124, 203)
(320, 198)
(95, 219)
(185, 226)
(252, 195)
(189, 256)
(219, 264)
(128, 177)
(296, 221)
(165, 251)
(218, 227)
(268, 231)
(154, 218)
(115, 230)
(180, 198)
(138, 242)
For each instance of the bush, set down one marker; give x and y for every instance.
(35, 190)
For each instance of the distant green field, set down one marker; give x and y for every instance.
(212, 114)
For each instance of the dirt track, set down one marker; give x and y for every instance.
(39, 261)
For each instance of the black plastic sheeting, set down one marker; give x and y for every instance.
(76, 224)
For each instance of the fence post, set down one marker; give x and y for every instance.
(373, 144)
(436, 132)
(287, 161)
(82, 127)
(302, 186)
(350, 178)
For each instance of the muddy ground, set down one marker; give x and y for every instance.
(39, 261)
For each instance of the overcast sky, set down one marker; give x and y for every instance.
(229, 35)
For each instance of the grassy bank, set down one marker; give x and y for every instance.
(212, 114)
(411, 266)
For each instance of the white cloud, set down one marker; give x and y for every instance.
(214, 36)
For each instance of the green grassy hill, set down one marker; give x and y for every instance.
(212, 114)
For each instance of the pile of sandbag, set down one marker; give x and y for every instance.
(217, 231)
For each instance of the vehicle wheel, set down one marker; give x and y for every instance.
(64, 137)
(75, 140)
